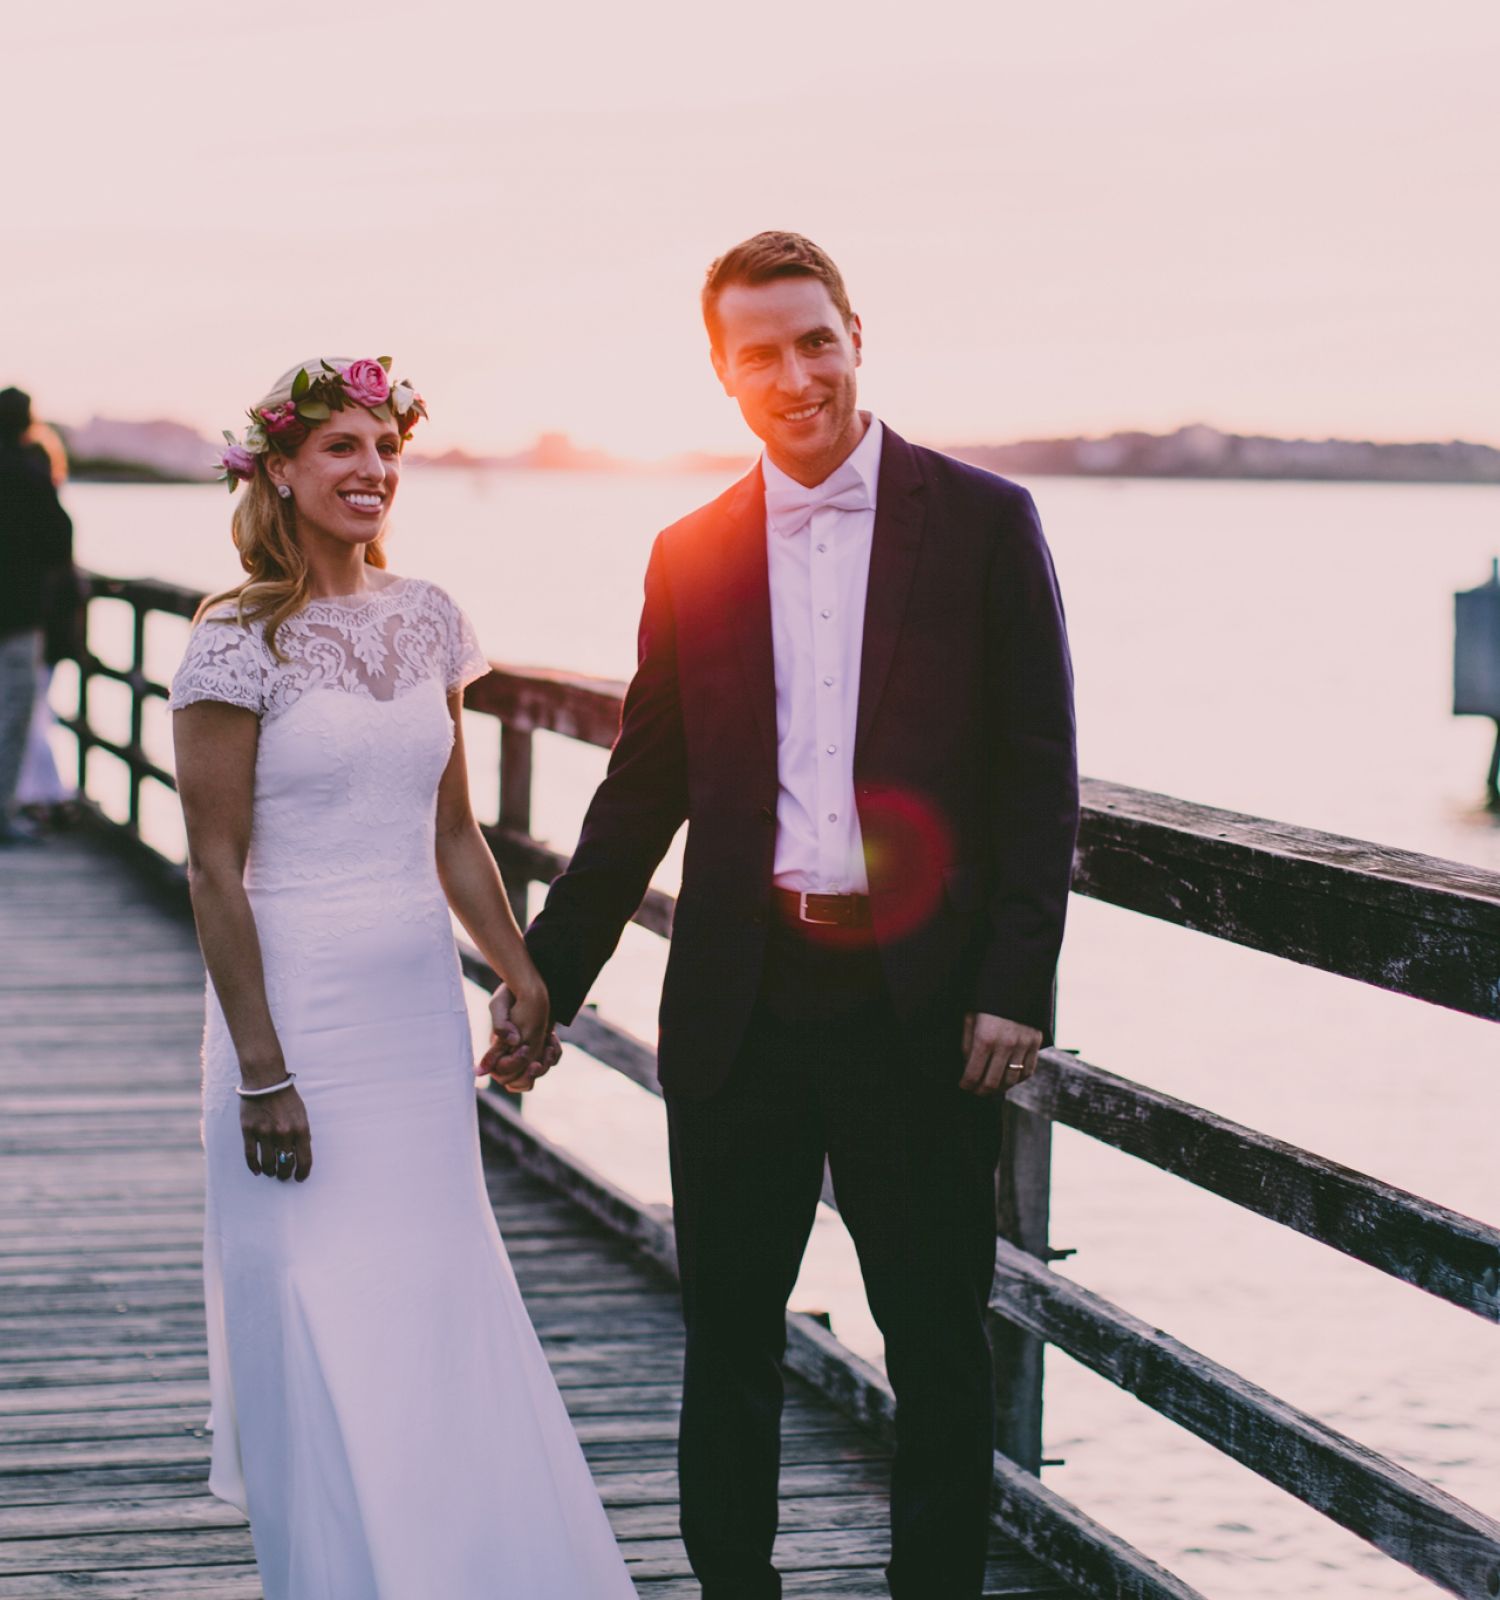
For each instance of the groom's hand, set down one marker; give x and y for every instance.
(999, 1054)
(508, 1061)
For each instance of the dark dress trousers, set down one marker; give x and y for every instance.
(778, 1048)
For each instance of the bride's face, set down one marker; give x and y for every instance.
(343, 478)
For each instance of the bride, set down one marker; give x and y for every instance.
(381, 1408)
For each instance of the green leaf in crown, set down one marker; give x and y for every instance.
(314, 398)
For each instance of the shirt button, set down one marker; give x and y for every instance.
(828, 683)
(833, 749)
(833, 816)
(822, 549)
(825, 613)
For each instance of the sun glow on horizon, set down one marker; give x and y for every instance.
(1052, 224)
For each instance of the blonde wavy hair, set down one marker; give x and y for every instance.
(264, 529)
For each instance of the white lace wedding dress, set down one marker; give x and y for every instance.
(381, 1408)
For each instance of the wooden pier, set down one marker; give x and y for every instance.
(103, 1389)
(103, 1371)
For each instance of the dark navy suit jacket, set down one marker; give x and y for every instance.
(965, 769)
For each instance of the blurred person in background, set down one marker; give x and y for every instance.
(41, 793)
(36, 546)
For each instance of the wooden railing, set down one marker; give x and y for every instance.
(1406, 923)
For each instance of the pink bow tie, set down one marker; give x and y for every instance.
(790, 507)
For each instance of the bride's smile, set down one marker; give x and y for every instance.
(344, 479)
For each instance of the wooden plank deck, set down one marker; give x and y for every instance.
(103, 1373)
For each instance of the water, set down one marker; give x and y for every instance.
(1277, 649)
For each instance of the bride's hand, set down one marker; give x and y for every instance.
(278, 1141)
(532, 1014)
(514, 1059)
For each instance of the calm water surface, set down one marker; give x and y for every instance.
(1277, 649)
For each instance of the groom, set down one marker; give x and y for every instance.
(854, 685)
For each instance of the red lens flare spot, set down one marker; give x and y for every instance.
(907, 845)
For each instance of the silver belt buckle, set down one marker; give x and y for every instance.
(813, 922)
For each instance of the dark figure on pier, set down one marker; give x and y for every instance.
(854, 686)
(36, 567)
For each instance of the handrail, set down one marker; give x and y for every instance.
(1415, 924)
(1408, 923)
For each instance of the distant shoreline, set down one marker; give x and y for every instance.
(163, 452)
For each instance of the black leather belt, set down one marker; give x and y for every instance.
(822, 910)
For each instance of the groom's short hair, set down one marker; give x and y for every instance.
(764, 258)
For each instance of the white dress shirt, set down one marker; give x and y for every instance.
(819, 561)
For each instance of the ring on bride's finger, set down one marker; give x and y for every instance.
(284, 1156)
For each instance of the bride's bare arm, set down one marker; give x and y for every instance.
(215, 748)
(472, 883)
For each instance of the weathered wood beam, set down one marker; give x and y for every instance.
(536, 699)
(515, 807)
(1023, 1196)
(1444, 1252)
(1080, 1551)
(648, 1228)
(520, 856)
(149, 594)
(1411, 1520)
(131, 756)
(1409, 923)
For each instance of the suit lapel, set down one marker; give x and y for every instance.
(900, 519)
(746, 599)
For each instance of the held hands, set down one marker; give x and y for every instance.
(523, 1045)
(999, 1054)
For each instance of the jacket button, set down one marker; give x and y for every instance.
(767, 814)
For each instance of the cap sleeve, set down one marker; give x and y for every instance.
(223, 661)
(466, 660)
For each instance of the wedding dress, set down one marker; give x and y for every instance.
(381, 1407)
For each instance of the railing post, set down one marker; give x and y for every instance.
(1023, 1208)
(1023, 1205)
(137, 707)
(80, 733)
(515, 802)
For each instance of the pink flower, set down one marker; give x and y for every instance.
(281, 419)
(237, 462)
(366, 383)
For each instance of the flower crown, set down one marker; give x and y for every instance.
(315, 398)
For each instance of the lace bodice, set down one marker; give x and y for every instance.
(355, 734)
(378, 645)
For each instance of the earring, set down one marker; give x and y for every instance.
(284, 490)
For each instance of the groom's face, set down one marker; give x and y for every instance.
(785, 354)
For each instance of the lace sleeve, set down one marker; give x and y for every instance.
(223, 661)
(466, 660)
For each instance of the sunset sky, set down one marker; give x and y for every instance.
(1278, 217)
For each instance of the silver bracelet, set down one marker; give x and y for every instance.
(254, 1094)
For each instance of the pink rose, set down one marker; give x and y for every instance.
(281, 419)
(366, 383)
(238, 462)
